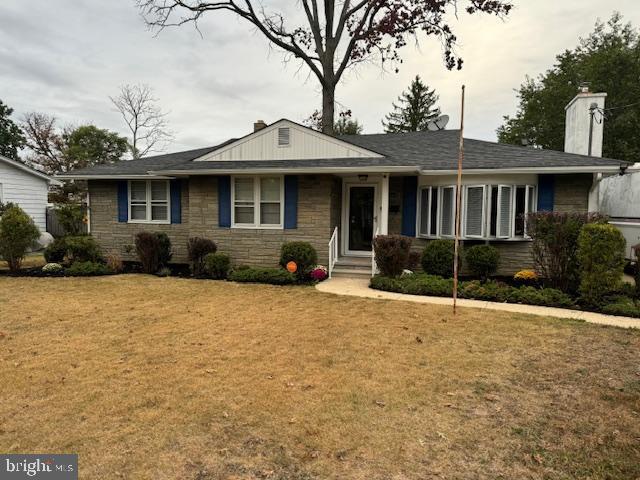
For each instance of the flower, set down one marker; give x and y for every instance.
(526, 276)
(319, 273)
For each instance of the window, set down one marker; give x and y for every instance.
(429, 217)
(448, 211)
(474, 218)
(488, 211)
(257, 202)
(283, 136)
(149, 201)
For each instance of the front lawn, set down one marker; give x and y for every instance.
(149, 377)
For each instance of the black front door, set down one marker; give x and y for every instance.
(361, 199)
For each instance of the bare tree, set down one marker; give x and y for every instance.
(336, 35)
(144, 118)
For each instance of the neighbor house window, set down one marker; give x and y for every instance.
(488, 211)
(149, 201)
(258, 202)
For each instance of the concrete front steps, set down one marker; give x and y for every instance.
(352, 267)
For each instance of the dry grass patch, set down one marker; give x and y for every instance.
(159, 378)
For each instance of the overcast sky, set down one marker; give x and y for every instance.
(65, 57)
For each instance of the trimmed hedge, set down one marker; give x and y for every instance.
(272, 276)
(482, 260)
(82, 248)
(437, 258)
(56, 251)
(432, 285)
(302, 253)
(623, 306)
(87, 269)
(17, 234)
(217, 265)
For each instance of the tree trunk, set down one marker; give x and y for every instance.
(328, 107)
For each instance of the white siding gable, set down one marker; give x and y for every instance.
(28, 191)
(303, 144)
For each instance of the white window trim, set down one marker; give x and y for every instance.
(256, 203)
(453, 211)
(149, 203)
(486, 211)
(483, 213)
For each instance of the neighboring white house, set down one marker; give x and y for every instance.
(25, 187)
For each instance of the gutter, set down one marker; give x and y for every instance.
(577, 169)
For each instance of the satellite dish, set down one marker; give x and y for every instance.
(438, 124)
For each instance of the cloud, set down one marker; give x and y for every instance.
(67, 57)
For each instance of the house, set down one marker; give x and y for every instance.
(25, 187)
(286, 182)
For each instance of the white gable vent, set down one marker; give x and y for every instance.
(283, 136)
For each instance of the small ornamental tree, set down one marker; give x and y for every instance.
(601, 256)
(17, 234)
(391, 254)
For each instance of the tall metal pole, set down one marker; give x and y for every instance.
(456, 250)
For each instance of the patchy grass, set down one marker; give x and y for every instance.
(150, 377)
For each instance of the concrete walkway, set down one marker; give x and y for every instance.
(358, 287)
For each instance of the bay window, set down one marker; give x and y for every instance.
(149, 201)
(257, 202)
(488, 211)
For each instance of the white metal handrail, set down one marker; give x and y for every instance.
(333, 251)
(374, 266)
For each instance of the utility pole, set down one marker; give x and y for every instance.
(456, 250)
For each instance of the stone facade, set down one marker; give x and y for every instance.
(319, 200)
(319, 212)
(571, 195)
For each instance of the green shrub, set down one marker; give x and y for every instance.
(273, 276)
(549, 297)
(56, 251)
(601, 258)
(437, 258)
(217, 265)
(413, 261)
(71, 217)
(165, 252)
(555, 244)
(82, 248)
(197, 249)
(386, 284)
(302, 253)
(416, 284)
(622, 306)
(482, 260)
(17, 234)
(430, 285)
(636, 250)
(391, 254)
(424, 284)
(87, 269)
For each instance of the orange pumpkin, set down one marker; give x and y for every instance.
(292, 267)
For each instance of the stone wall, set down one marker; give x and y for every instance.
(116, 237)
(572, 192)
(317, 197)
(571, 195)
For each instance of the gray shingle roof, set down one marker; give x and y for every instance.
(439, 151)
(420, 150)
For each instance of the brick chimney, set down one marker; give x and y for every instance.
(259, 125)
(582, 135)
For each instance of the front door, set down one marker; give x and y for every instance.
(361, 217)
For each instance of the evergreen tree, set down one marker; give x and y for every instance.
(415, 110)
(11, 137)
